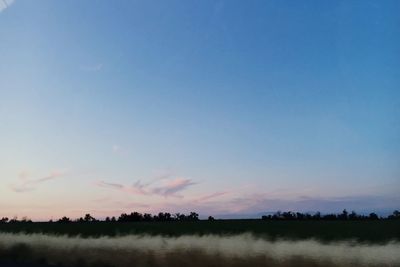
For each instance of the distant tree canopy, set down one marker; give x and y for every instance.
(193, 216)
(160, 217)
(137, 217)
(87, 218)
(15, 220)
(345, 215)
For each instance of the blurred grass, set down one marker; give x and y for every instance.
(362, 231)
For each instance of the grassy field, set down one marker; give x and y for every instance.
(362, 231)
(192, 250)
(203, 243)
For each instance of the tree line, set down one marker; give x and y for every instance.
(193, 216)
(124, 217)
(345, 215)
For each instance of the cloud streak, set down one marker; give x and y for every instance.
(209, 197)
(26, 184)
(132, 189)
(161, 187)
(172, 187)
(4, 4)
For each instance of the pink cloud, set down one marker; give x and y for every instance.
(162, 187)
(172, 187)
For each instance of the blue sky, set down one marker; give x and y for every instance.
(224, 107)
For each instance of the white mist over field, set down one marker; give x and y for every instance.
(207, 250)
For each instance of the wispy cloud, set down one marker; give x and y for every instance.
(25, 183)
(92, 68)
(209, 197)
(172, 187)
(132, 189)
(5, 4)
(162, 187)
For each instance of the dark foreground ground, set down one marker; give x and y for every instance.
(363, 231)
(20, 264)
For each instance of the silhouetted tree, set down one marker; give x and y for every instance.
(133, 217)
(330, 217)
(147, 217)
(373, 216)
(136, 216)
(193, 216)
(13, 220)
(317, 216)
(395, 215)
(64, 220)
(344, 215)
(88, 218)
(277, 215)
(354, 216)
(123, 217)
(163, 217)
(211, 218)
(288, 215)
(266, 217)
(179, 217)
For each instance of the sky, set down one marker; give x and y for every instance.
(226, 108)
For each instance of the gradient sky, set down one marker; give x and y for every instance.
(221, 107)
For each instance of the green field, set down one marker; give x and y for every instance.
(363, 231)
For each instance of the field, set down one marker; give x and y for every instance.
(362, 231)
(203, 243)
